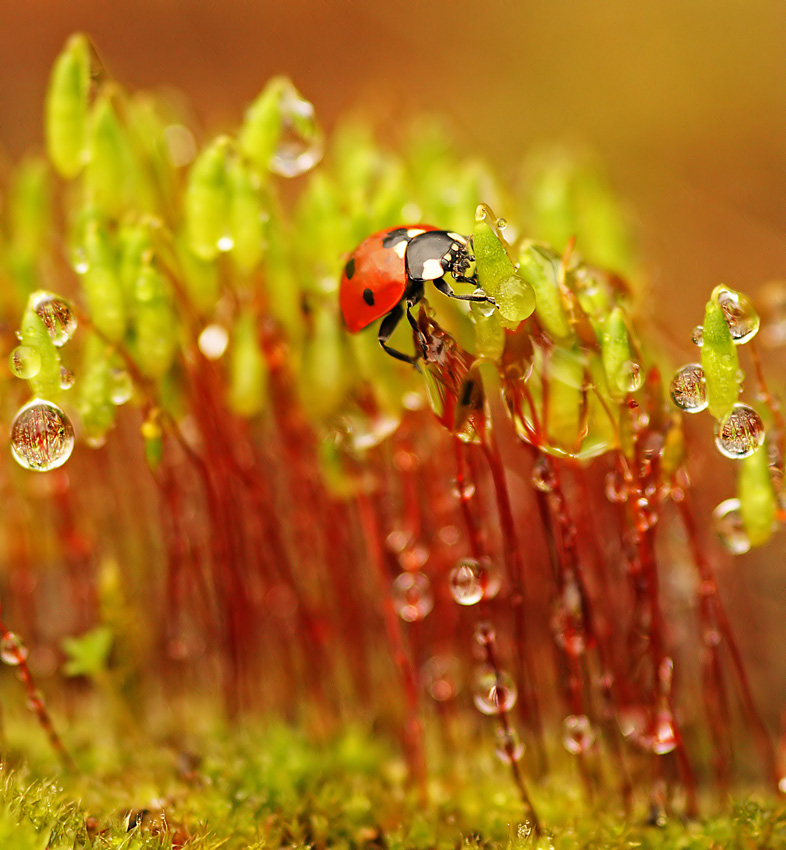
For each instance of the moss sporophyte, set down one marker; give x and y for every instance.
(238, 487)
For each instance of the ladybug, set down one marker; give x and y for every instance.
(386, 274)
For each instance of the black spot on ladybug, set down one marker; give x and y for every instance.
(368, 297)
(349, 268)
(393, 237)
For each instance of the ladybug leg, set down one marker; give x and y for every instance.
(445, 288)
(389, 324)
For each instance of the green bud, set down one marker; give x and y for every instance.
(496, 273)
(46, 382)
(207, 201)
(758, 502)
(622, 371)
(65, 123)
(101, 282)
(199, 276)
(247, 216)
(135, 244)
(155, 322)
(93, 400)
(719, 361)
(540, 268)
(248, 369)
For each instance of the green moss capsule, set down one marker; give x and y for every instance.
(208, 201)
(247, 216)
(758, 502)
(489, 333)
(247, 369)
(109, 169)
(623, 372)
(67, 106)
(93, 398)
(565, 398)
(719, 361)
(101, 282)
(155, 322)
(496, 273)
(45, 383)
(540, 268)
(325, 373)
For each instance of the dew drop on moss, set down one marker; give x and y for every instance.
(301, 143)
(729, 527)
(121, 387)
(630, 377)
(413, 598)
(440, 677)
(12, 651)
(740, 433)
(740, 315)
(494, 692)
(508, 746)
(213, 341)
(544, 477)
(56, 314)
(697, 337)
(466, 582)
(689, 389)
(24, 362)
(615, 487)
(42, 437)
(66, 378)
(578, 734)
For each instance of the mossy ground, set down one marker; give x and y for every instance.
(255, 786)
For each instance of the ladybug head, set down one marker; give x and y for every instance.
(436, 253)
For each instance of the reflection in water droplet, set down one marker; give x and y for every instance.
(494, 693)
(578, 734)
(12, 650)
(730, 528)
(42, 436)
(508, 747)
(689, 389)
(740, 315)
(213, 341)
(544, 476)
(66, 378)
(412, 596)
(56, 314)
(24, 362)
(466, 585)
(697, 337)
(740, 433)
(301, 143)
(630, 377)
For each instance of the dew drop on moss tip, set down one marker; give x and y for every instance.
(740, 433)
(740, 315)
(508, 746)
(42, 437)
(12, 651)
(24, 362)
(689, 388)
(301, 144)
(630, 377)
(578, 734)
(493, 692)
(66, 378)
(56, 314)
(730, 528)
(697, 337)
(466, 582)
(413, 598)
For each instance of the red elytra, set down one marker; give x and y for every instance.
(375, 276)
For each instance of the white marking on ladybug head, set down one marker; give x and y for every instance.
(414, 231)
(462, 240)
(433, 270)
(400, 248)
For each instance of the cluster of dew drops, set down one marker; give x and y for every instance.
(42, 436)
(741, 432)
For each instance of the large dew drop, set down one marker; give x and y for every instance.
(413, 598)
(56, 314)
(466, 582)
(730, 528)
(301, 143)
(494, 692)
(24, 362)
(689, 389)
(740, 433)
(740, 315)
(42, 437)
(12, 651)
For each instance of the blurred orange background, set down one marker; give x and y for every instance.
(684, 101)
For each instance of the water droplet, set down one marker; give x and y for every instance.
(466, 582)
(301, 143)
(740, 315)
(544, 476)
(42, 436)
(483, 309)
(56, 314)
(740, 433)
(616, 488)
(121, 386)
(730, 528)
(646, 515)
(491, 577)
(689, 389)
(66, 378)
(440, 677)
(12, 651)
(213, 341)
(697, 337)
(578, 734)
(494, 692)
(508, 746)
(567, 623)
(484, 634)
(630, 377)
(225, 243)
(664, 736)
(24, 362)
(398, 540)
(413, 557)
(501, 223)
(463, 489)
(412, 596)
